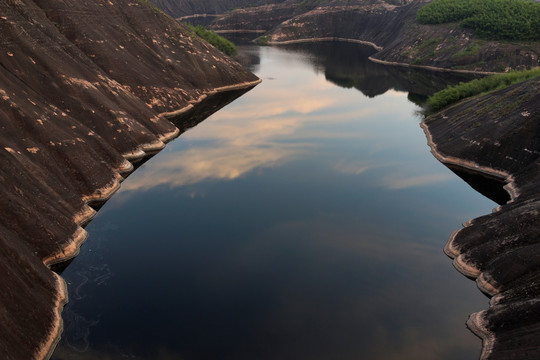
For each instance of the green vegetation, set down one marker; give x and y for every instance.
(470, 51)
(426, 50)
(218, 41)
(490, 19)
(263, 40)
(431, 44)
(455, 93)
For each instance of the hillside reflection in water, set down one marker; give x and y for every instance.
(303, 221)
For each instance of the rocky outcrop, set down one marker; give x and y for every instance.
(374, 21)
(82, 87)
(498, 135)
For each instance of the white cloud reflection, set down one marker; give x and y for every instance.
(279, 121)
(399, 181)
(358, 168)
(195, 165)
(255, 133)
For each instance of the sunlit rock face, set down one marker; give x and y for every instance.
(498, 135)
(81, 89)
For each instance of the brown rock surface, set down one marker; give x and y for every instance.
(82, 84)
(499, 135)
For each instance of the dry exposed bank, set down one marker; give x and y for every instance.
(498, 135)
(82, 88)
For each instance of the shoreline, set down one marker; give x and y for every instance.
(72, 248)
(254, 31)
(510, 187)
(379, 61)
(475, 322)
(330, 38)
(432, 68)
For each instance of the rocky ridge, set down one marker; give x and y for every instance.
(85, 92)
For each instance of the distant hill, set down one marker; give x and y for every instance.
(391, 25)
(179, 8)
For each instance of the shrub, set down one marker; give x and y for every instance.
(490, 19)
(263, 40)
(211, 37)
(461, 91)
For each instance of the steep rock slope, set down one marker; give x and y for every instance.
(82, 84)
(180, 8)
(499, 135)
(375, 21)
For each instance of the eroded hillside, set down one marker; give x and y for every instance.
(497, 135)
(82, 87)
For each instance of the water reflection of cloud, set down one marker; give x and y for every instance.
(222, 162)
(404, 175)
(355, 168)
(399, 181)
(294, 107)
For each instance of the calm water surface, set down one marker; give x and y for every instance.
(306, 220)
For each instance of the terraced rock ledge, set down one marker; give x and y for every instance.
(498, 136)
(86, 92)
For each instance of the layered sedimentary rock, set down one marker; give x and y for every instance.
(82, 87)
(498, 135)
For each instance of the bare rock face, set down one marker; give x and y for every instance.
(498, 135)
(180, 8)
(374, 21)
(82, 87)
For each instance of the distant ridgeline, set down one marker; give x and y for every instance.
(490, 19)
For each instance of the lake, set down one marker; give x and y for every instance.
(306, 220)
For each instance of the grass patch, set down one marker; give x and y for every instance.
(426, 50)
(211, 37)
(490, 19)
(471, 50)
(431, 44)
(263, 40)
(453, 94)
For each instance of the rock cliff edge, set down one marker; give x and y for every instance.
(498, 135)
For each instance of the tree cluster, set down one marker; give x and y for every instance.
(217, 41)
(490, 19)
(453, 94)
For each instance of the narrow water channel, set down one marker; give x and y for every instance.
(306, 220)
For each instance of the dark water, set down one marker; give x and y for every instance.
(306, 220)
